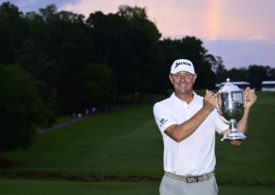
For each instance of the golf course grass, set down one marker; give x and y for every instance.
(122, 150)
(27, 187)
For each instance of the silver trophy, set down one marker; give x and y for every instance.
(230, 107)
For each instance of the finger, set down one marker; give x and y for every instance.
(252, 91)
(247, 89)
(252, 94)
(208, 93)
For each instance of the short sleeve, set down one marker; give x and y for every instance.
(163, 117)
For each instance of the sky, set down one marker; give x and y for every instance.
(241, 32)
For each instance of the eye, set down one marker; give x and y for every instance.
(188, 75)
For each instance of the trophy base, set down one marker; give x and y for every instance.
(234, 136)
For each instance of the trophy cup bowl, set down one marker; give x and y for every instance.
(230, 107)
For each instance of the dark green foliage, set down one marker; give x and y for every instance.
(127, 42)
(99, 85)
(21, 108)
(12, 32)
(256, 74)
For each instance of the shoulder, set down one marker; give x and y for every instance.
(163, 104)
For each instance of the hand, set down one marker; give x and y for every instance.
(236, 142)
(209, 101)
(249, 97)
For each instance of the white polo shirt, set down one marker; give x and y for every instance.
(194, 155)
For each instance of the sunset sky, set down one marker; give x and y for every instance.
(241, 32)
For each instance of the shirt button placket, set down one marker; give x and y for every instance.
(188, 112)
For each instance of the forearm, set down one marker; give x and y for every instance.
(243, 123)
(249, 99)
(185, 129)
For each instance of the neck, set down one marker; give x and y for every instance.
(187, 97)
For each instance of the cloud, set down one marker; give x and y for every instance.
(206, 19)
(243, 53)
(244, 19)
(173, 18)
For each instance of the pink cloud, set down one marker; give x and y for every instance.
(210, 20)
(206, 19)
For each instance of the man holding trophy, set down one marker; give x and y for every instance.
(188, 123)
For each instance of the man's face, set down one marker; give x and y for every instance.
(183, 82)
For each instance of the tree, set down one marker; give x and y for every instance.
(128, 43)
(256, 74)
(238, 74)
(56, 50)
(218, 68)
(21, 108)
(132, 12)
(12, 32)
(98, 85)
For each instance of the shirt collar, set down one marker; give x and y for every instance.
(194, 100)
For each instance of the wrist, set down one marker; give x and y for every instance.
(206, 110)
(247, 109)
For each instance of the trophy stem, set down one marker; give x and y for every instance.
(234, 133)
(233, 126)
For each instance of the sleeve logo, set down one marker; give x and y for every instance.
(162, 122)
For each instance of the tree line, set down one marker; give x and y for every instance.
(58, 62)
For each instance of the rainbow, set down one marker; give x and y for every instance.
(212, 19)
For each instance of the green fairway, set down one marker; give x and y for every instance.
(126, 145)
(124, 142)
(7, 187)
(75, 188)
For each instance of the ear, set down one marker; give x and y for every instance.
(171, 79)
(194, 78)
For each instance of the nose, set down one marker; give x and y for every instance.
(182, 78)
